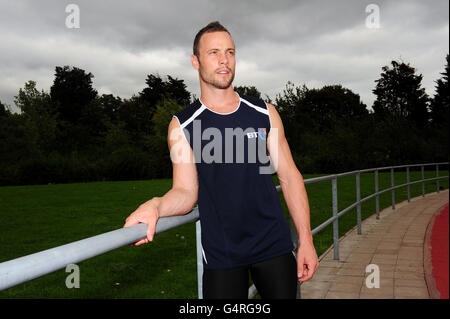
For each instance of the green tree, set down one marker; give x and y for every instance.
(136, 115)
(19, 148)
(80, 117)
(3, 110)
(332, 106)
(138, 111)
(290, 106)
(110, 106)
(72, 92)
(32, 102)
(440, 118)
(39, 115)
(248, 90)
(440, 103)
(119, 149)
(156, 144)
(157, 89)
(400, 95)
(177, 90)
(323, 126)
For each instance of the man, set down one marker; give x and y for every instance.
(242, 221)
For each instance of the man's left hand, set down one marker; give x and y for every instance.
(307, 261)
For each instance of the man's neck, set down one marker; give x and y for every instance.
(219, 98)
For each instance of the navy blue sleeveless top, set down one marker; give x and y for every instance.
(241, 217)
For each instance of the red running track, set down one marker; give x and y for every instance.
(439, 252)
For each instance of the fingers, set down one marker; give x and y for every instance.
(306, 267)
(307, 274)
(132, 220)
(140, 242)
(300, 269)
(151, 230)
(308, 271)
(136, 218)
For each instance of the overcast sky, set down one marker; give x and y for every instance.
(315, 43)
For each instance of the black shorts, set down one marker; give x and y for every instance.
(274, 278)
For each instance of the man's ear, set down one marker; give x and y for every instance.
(195, 62)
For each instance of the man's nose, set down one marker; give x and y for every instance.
(223, 59)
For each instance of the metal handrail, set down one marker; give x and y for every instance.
(336, 214)
(32, 266)
(20, 270)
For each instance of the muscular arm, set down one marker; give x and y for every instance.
(182, 197)
(294, 191)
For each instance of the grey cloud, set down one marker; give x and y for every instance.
(311, 42)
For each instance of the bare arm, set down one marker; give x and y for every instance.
(294, 192)
(182, 197)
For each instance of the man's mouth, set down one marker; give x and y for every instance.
(223, 72)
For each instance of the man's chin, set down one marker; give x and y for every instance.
(218, 83)
(223, 85)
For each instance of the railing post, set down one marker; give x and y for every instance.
(377, 199)
(198, 239)
(358, 198)
(423, 183)
(437, 175)
(336, 221)
(407, 182)
(393, 190)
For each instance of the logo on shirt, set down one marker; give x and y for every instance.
(252, 135)
(213, 145)
(261, 134)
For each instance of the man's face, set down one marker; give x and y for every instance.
(216, 62)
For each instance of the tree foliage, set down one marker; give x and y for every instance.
(440, 103)
(248, 90)
(400, 95)
(72, 133)
(72, 92)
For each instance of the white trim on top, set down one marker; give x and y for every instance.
(239, 105)
(259, 109)
(193, 116)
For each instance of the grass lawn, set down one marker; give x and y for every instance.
(35, 218)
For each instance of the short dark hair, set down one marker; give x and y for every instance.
(211, 27)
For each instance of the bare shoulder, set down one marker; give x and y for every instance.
(271, 108)
(174, 123)
(275, 118)
(174, 131)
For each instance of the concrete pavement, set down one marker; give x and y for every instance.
(395, 243)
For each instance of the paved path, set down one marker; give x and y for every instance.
(395, 243)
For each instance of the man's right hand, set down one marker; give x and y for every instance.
(146, 213)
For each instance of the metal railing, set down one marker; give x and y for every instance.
(32, 266)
